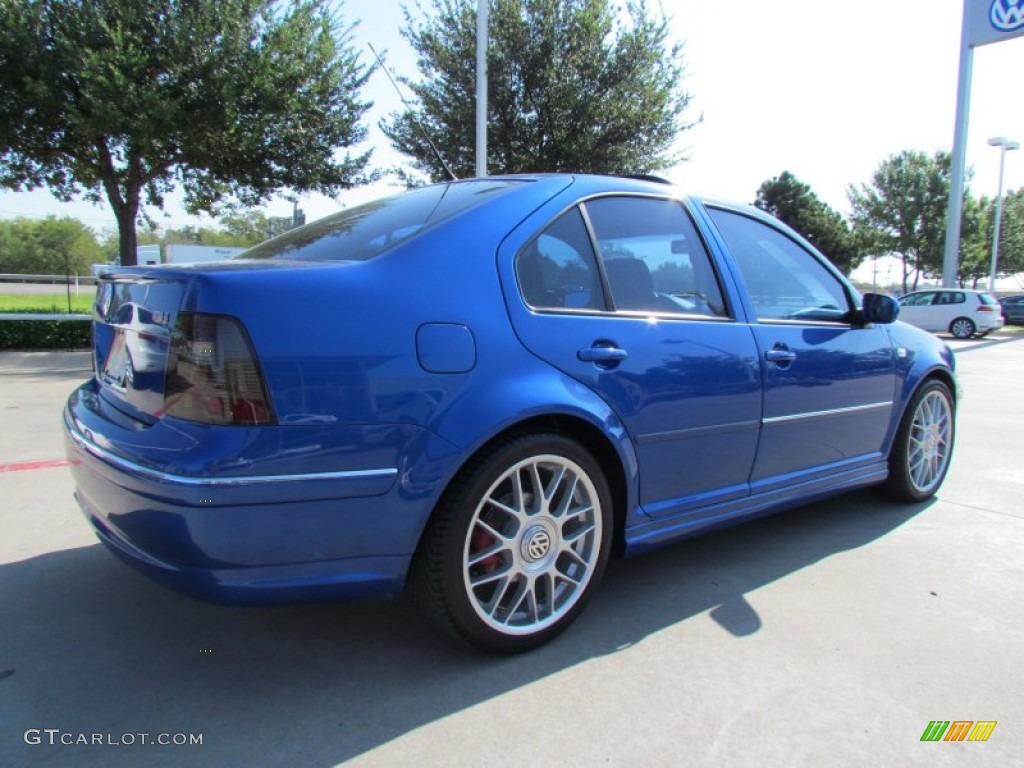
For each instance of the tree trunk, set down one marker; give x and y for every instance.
(127, 238)
(124, 204)
(126, 211)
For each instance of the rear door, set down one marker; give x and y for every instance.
(620, 294)
(828, 385)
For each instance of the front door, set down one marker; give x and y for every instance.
(829, 384)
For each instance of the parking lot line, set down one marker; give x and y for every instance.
(26, 465)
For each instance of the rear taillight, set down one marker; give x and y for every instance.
(985, 308)
(213, 375)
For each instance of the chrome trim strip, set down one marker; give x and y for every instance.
(202, 482)
(833, 412)
(692, 432)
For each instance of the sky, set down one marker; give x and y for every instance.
(824, 90)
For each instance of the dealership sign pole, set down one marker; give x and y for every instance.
(985, 21)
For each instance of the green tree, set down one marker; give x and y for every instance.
(903, 212)
(1011, 236)
(236, 230)
(790, 200)
(976, 253)
(975, 242)
(228, 99)
(571, 87)
(190, 235)
(252, 227)
(110, 240)
(49, 246)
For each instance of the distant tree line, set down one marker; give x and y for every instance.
(58, 246)
(49, 246)
(901, 212)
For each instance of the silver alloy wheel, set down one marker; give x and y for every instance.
(930, 441)
(532, 545)
(962, 328)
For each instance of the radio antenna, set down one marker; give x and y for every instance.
(412, 116)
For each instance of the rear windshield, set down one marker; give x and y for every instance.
(366, 231)
(988, 299)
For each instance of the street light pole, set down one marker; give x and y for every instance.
(1005, 145)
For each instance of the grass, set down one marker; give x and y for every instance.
(48, 302)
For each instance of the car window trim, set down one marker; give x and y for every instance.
(609, 310)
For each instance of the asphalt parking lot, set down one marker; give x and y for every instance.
(830, 635)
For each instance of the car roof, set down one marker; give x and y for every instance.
(587, 184)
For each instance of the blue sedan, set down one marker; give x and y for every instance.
(483, 390)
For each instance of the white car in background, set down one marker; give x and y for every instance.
(958, 311)
(145, 338)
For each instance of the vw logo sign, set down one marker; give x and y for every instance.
(1007, 15)
(537, 545)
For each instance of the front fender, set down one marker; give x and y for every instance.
(919, 356)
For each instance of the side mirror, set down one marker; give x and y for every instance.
(879, 309)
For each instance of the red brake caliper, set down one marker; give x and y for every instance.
(480, 541)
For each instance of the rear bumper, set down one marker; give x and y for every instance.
(993, 323)
(252, 538)
(348, 579)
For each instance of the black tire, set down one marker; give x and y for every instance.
(962, 328)
(923, 448)
(505, 568)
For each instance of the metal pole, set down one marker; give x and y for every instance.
(481, 87)
(954, 210)
(1004, 147)
(67, 274)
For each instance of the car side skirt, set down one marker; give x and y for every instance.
(642, 538)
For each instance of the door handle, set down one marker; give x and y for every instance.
(604, 355)
(780, 354)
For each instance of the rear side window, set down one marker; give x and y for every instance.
(653, 258)
(366, 231)
(558, 270)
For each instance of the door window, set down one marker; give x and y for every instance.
(785, 281)
(917, 299)
(653, 258)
